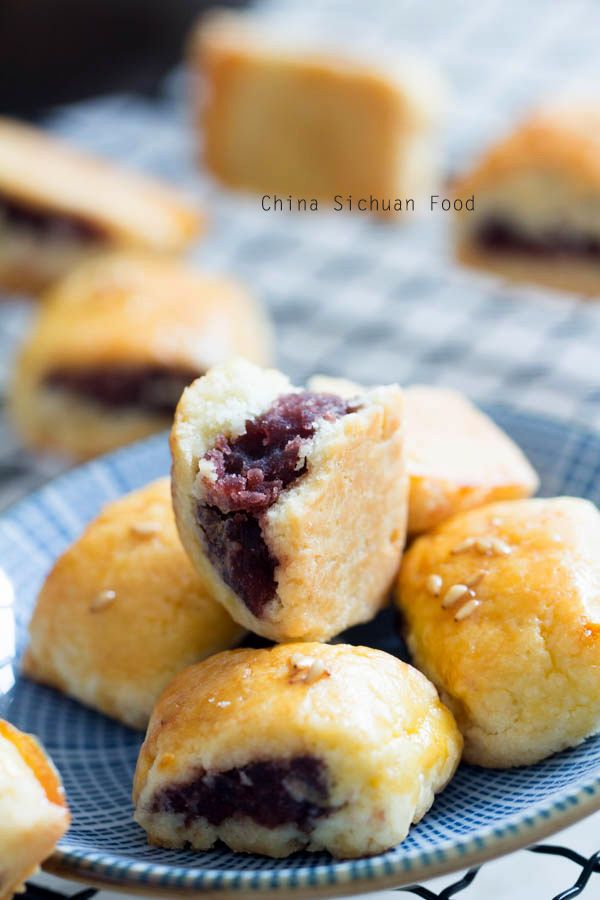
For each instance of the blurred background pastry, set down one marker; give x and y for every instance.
(291, 503)
(33, 809)
(300, 746)
(277, 118)
(500, 610)
(123, 611)
(537, 201)
(115, 343)
(58, 206)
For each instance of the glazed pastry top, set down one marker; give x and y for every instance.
(123, 610)
(561, 139)
(42, 172)
(501, 607)
(346, 701)
(130, 308)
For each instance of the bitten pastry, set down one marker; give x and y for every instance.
(123, 611)
(291, 504)
(537, 202)
(116, 342)
(33, 809)
(457, 457)
(58, 205)
(501, 612)
(280, 120)
(302, 746)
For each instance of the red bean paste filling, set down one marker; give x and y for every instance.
(501, 236)
(50, 224)
(271, 793)
(252, 471)
(151, 388)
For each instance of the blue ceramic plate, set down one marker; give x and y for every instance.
(481, 814)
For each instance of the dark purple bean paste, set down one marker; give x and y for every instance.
(252, 471)
(48, 224)
(501, 236)
(271, 792)
(151, 388)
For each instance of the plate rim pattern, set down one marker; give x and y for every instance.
(558, 810)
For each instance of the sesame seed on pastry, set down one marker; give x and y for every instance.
(301, 746)
(501, 611)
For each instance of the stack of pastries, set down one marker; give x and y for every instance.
(287, 516)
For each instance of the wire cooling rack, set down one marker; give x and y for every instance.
(379, 302)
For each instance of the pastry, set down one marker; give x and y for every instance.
(58, 205)
(537, 202)
(500, 609)
(291, 504)
(307, 125)
(301, 746)
(33, 811)
(114, 345)
(457, 458)
(122, 611)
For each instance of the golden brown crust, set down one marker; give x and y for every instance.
(141, 309)
(34, 756)
(518, 659)
(122, 611)
(374, 126)
(375, 722)
(33, 810)
(561, 139)
(458, 458)
(543, 178)
(50, 175)
(131, 309)
(329, 575)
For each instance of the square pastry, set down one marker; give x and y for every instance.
(307, 123)
(58, 205)
(537, 202)
(291, 503)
